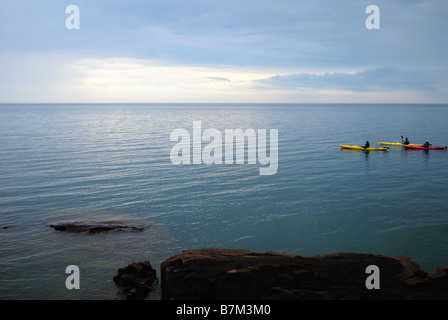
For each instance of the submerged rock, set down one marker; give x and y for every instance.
(136, 280)
(242, 274)
(96, 227)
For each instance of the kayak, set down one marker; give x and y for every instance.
(397, 144)
(420, 147)
(343, 146)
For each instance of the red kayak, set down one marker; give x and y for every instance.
(424, 148)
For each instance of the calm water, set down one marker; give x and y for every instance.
(96, 162)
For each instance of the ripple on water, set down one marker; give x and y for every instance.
(36, 267)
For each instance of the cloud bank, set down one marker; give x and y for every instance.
(371, 80)
(68, 78)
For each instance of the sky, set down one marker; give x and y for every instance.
(209, 51)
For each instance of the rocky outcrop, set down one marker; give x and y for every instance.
(242, 274)
(96, 227)
(136, 280)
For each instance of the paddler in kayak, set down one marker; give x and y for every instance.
(405, 141)
(426, 144)
(367, 145)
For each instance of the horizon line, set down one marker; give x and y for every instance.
(225, 103)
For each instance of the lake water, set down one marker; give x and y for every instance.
(112, 162)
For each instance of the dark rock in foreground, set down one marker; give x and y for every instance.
(136, 280)
(242, 274)
(95, 227)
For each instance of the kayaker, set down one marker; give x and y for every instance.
(426, 144)
(367, 145)
(406, 141)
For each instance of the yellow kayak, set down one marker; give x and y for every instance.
(398, 144)
(343, 146)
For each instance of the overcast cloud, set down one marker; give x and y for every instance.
(227, 50)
